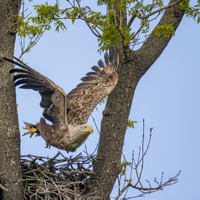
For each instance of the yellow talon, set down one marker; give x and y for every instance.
(31, 131)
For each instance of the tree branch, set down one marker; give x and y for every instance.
(154, 45)
(147, 190)
(156, 11)
(97, 34)
(131, 20)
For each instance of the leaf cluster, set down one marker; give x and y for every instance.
(45, 15)
(165, 30)
(191, 11)
(124, 165)
(115, 26)
(130, 123)
(33, 27)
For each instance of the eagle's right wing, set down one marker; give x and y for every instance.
(53, 97)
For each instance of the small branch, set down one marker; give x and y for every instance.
(95, 123)
(147, 190)
(154, 17)
(131, 20)
(156, 11)
(137, 31)
(31, 44)
(92, 30)
(142, 165)
(97, 34)
(146, 147)
(134, 166)
(2, 187)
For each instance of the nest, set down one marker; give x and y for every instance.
(56, 178)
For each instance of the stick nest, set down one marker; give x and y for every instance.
(56, 178)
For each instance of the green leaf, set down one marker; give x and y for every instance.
(124, 165)
(130, 123)
(166, 30)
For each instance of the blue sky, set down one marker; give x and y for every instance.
(167, 97)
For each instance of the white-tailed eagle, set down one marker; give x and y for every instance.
(68, 113)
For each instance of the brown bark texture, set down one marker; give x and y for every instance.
(10, 162)
(133, 65)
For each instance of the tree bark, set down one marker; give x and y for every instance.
(132, 67)
(10, 160)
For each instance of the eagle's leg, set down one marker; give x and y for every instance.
(48, 145)
(31, 131)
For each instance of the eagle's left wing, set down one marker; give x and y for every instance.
(53, 97)
(95, 86)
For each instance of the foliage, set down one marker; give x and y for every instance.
(45, 15)
(33, 27)
(165, 30)
(130, 123)
(191, 11)
(124, 165)
(103, 101)
(109, 28)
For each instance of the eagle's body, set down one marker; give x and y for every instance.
(68, 113)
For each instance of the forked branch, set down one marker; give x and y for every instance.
(138, 167)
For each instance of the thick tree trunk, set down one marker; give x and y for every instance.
(10, 162)
(132, 67)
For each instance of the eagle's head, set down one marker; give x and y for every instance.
(79, 134)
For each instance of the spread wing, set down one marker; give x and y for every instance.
(53, 97)
(76, 107)
(95, 86)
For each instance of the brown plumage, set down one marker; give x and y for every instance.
(68, 113)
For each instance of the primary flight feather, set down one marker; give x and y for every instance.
(68, 113)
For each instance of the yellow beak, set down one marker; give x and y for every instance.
(89, 129)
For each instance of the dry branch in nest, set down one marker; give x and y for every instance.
(56, 178)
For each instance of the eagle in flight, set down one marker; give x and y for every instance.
(67, 113)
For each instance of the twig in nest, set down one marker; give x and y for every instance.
(57, 177)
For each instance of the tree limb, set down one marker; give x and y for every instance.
(154, 45)
(156, 11)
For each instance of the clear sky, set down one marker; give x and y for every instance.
(167, 97)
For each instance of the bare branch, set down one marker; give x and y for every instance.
(134, 167)
(95, 123)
